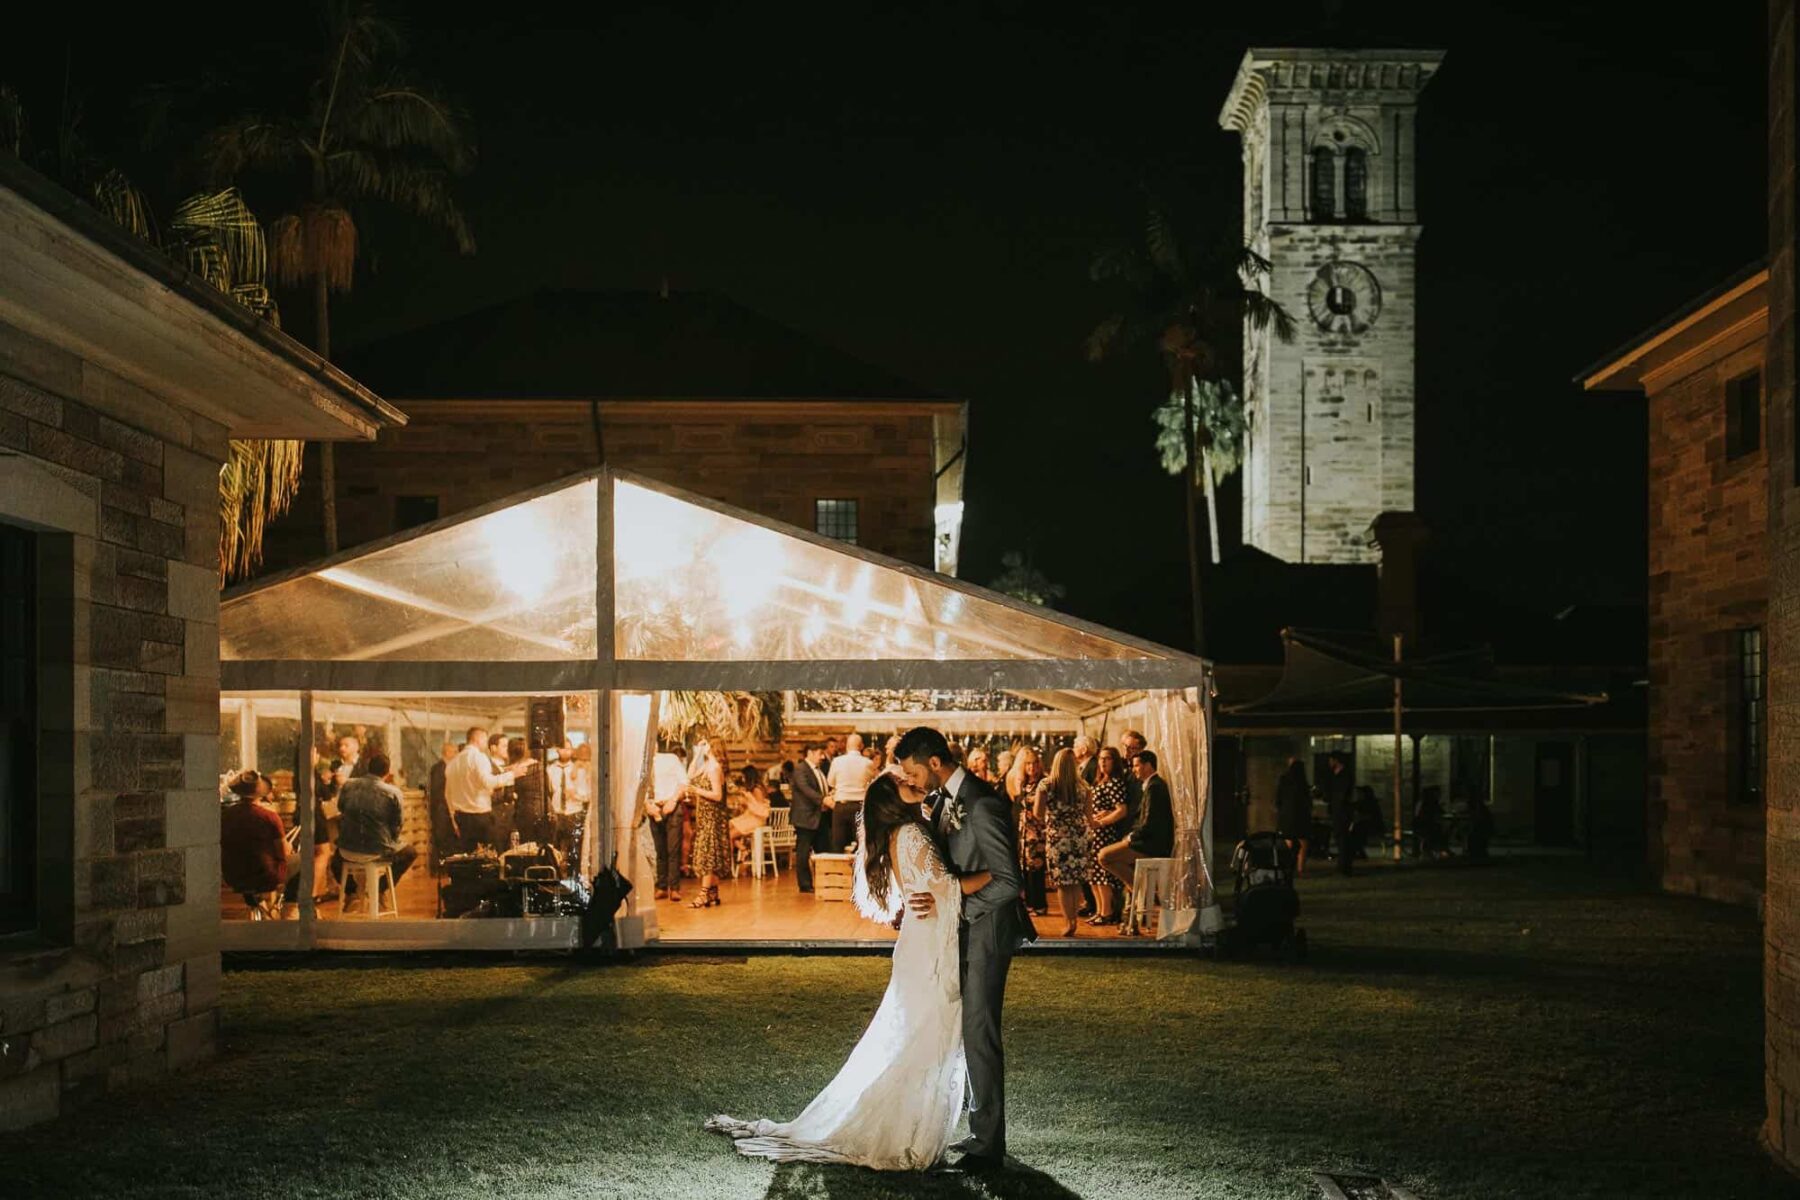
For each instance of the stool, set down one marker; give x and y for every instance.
(1150, 877)
(832, 876)
(373, 868)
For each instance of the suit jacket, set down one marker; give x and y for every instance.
(807, 806)
(985, 841)
(1155, 832)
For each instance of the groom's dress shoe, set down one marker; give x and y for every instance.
(966, 1145)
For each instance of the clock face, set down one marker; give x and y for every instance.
(1344, 298)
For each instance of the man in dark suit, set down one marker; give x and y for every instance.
(1154, 834)
(975, 831)
(1131, 744)
(807, 812)
(1340, 790)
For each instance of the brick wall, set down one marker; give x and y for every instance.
(1708, 579)
(121, 981)
(1781, 911)
(467, 453)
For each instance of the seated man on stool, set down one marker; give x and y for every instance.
(369, 820)
(1154, 835)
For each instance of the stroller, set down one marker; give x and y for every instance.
(1264, 902)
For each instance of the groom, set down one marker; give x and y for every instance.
(974, 829)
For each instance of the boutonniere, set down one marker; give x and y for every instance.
(953, 813)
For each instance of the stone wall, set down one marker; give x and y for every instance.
(1781, 910)
(774, 459)
(1708, 579)
(120, 982)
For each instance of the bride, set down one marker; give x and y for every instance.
(895, 1103)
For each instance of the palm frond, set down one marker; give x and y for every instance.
(12, 122)
(119, 198)
(1219, 424)
(317, 242)
(404, 115)
(256, 484)
(222, 223)
(1106, 337)
(1263, 312)
(252, 142)
(1163, 245)
(425, 192)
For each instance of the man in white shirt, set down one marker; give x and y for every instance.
(469, 785)
(848, 782)
(571, 785)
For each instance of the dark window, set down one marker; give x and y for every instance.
(1750, 728)
(18, 729)
(1324, 184)
(1743, 415)
(835, 519)
(1356, 184)
(414, 510)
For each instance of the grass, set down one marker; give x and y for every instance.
(1519, 1031)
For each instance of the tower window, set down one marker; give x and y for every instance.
(1743, 415)
(1324, 184)
(835, 519)
(1356, 184)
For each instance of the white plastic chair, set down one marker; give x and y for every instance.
(1149, 883)
(769, 840)
(373, 868)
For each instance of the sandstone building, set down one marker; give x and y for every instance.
(689, 388)
(1330, 200)
(1701, 371)
(121, 379)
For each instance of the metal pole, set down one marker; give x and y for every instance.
(303, 801)
(1399, 823)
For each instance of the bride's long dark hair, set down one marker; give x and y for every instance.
(884, 811)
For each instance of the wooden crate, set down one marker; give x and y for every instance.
(832, 874)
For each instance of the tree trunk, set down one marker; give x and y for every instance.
(1188, 491)
(327, 455)
(1212, 503)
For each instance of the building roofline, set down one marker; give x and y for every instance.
(69, 210)
(1745, 280)
(1251, 84)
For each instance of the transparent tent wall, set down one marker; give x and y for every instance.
(1175, 728)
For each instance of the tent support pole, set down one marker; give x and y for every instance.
(304, 804)
(1399, 761)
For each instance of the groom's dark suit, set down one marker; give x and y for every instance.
(994, 922)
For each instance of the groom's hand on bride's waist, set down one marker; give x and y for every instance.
(922, 904)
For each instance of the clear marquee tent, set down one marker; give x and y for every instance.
(619, 587)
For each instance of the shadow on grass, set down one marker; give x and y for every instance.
(810, 1181)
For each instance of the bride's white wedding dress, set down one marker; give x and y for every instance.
(895, 1103)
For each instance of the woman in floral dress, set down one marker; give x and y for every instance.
(1021, 786)
(712, 822)
(1107, 817)
(1061, 803)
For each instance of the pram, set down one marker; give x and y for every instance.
(1264, 903)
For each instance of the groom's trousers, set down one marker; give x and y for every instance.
(987, 946)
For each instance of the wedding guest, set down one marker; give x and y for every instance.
(1428, 823)
(437, 799)
(371, 811)
(1061, 804)
(325, 828)
(751, 809)
(1365, 820)
(1339, 787)
(668, 780)
(1086, 763)
(1154, 834)
(1002, 769)
(530, 815)
(1293, 811)
(785, 780)
(712, 831)
(1021, 787)
(976, 764)
(891, 765)
(807, 813)
(847, 782)
(571, 793)
(255, 859)
(834, 746)
(348, 762)
(469, 784)
(1108, 816)
(1132, 743)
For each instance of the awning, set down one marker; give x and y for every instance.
(1331, 675)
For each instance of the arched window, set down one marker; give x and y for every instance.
(1324, 184)
(1356, 184)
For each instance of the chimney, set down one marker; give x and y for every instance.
(1398, 536)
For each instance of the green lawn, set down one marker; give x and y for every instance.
(1519, 1031)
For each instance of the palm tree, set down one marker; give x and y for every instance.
(1020, 578)
(359, 131)
(1194, 312)
(1213, 416)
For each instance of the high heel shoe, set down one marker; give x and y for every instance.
(708, 898)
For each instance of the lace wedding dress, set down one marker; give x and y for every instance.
(895, 1103)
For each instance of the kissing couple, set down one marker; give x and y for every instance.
(938, 846)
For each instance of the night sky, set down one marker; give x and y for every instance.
(925, 187)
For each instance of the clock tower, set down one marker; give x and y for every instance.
(1330, 201)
